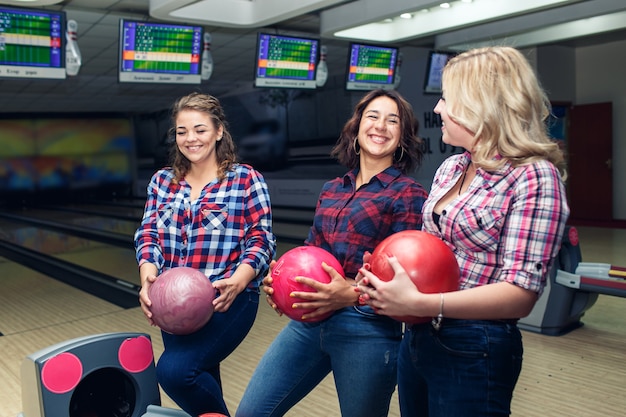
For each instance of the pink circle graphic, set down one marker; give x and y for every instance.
(135, 354)
(62, 373)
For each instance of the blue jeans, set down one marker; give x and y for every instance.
(357, 345)
(189, 368)
(467, 368)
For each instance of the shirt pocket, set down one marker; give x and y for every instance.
(213, 217)
(481, 228)
(165, 217)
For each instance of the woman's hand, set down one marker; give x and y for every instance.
(398, 297)
(338, 293)
(228, 289)
(366, 264)
(144, 300)
(268, 290)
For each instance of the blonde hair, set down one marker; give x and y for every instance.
(494, 93)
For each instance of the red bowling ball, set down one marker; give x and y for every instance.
(182, 300)
(428, 261)
(305, 261)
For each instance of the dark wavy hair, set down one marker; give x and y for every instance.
(224, 148)
(409, 158)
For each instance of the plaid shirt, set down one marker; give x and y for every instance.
(507, 227)
(229, 224)
(349, 222)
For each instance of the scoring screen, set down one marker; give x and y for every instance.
(156, 52)
(31, 44)
(284, 61)
(371, 66)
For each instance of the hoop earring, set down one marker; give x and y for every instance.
(401, 154)
(355, 144)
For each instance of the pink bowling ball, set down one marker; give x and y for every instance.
(305, 261)
(182, 300)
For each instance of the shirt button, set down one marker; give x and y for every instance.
(443, 213)
(185, 242)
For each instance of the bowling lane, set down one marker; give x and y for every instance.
(85, 219)
(30, 300)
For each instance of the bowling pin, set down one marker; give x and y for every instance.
(321, 75)
(207, 58)
(396, 76)
(73, 59)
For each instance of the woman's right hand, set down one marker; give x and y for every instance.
(268, 290)
(144, 300)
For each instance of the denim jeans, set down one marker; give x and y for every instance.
(189, 368)
(466, 368)
(357, 345)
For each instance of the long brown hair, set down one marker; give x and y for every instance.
(224, 148)
(411, 153)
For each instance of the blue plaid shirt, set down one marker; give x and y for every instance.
(229, 224)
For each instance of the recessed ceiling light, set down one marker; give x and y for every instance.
(406, 15)
(458, 14)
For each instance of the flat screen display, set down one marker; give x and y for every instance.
(32, 43)
(286, 61)
(371, 67)
(159, 53)
(436, 61)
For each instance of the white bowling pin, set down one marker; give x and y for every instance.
(396, 77)
(321, 75)
(207, 58)
(73, 59)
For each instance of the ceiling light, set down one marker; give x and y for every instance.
(554, 33)
(406, 15)
(360, 20)
(445, 5)
(31, 2)
(539, 27)
(238, 14)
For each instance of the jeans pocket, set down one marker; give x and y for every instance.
(365, 311)
(463, 341)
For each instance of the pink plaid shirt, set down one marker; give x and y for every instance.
(508, 226)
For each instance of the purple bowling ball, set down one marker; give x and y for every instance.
(182, 300)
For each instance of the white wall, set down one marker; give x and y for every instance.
(600, 77)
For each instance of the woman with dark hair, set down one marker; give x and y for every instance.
(208, 213)
(373, 200)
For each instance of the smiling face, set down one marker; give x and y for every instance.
(196, 136)
(379, 129)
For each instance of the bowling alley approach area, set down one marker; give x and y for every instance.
(68, 291)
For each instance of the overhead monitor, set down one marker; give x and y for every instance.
(159, 53)
(32, 43)
(371, 67)
(436, 61)
(286, 61)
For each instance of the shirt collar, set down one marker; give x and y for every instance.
(385, 177)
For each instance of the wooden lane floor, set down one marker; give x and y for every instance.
(579, 374)
(116, 261)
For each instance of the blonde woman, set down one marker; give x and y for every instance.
(501, 208)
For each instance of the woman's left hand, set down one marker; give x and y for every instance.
(338, 293)
(228, 290)
(396, 297)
